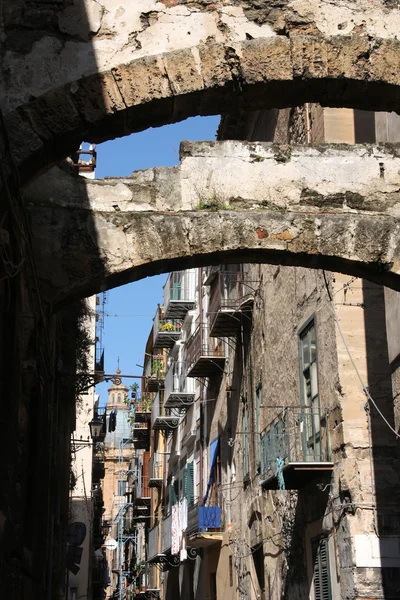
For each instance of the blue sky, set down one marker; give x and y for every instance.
(125, 336)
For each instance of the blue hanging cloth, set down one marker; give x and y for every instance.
(214, 446)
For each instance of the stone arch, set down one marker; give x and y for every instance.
(267, 72)
(226, 202)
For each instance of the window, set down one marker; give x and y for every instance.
(173, 494)
(308, 359)
(188, 483)
(121, 487)
(245, 444)
(311, 420)
(257, 427)
(321, 574)
(119, 399)
(257, 553)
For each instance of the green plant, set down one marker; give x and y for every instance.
(167, 327)
(157, 367)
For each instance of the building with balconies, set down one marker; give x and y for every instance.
(165, 331)
(205, 356)
(180, 294)
(264, 400)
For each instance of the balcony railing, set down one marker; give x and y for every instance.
(165, 331)
(155, 372)
(166, 535)
(204, 519)
(204, 356)
(179, 294)
(179, 390)
(295, 448)
(153, 546)
(156, 470)
(142, 492)
(141, 411)
(230, 295)
(160, 417)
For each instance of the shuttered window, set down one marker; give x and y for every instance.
(320, 557)
(188, 483)
(121, 487)
(172, 495)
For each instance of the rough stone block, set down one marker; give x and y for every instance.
(266, 59)
(183, 71)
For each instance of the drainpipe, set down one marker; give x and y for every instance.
(202, 405)
(228, 465)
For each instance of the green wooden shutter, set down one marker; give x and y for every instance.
(185, 482)
(171, 496)
(190, 483)
(322, 584)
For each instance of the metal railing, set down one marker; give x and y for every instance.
(156, 466)
(200, 344)
(155, 366)
(203, 518)
(142, 489)
(166, 533)
(180, 287)
(154, 536)
(176, 381)
(157, 410)
(165, 326)
(99, 360)
(229, 290)
(297, 434)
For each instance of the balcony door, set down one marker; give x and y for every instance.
(310, 421)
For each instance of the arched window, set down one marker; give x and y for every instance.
(119, 399)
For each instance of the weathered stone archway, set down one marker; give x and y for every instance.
(334, 207)
(112, 69)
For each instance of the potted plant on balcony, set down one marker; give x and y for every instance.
(167, 327)
(134, 390)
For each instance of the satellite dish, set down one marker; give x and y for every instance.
(111, 544)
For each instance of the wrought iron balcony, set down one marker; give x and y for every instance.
(99, 363)
(179, 294)
(204, 525)
(156, 470)
(154, 544)
(230, 296)
(142, 493)
(166, 534)
(179, 391)
(142, 409)
(165, 331)
(295, 448)
(204, 356)
(154, 372)
(160, 417)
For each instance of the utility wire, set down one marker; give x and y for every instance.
(364, 387)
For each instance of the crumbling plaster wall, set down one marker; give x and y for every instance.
(47, 46)
(152, 63)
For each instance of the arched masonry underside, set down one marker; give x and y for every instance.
(333, 206)
(94, 70)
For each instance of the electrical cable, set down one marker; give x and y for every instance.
(364, 387)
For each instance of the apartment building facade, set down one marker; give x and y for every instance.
(273, 445)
